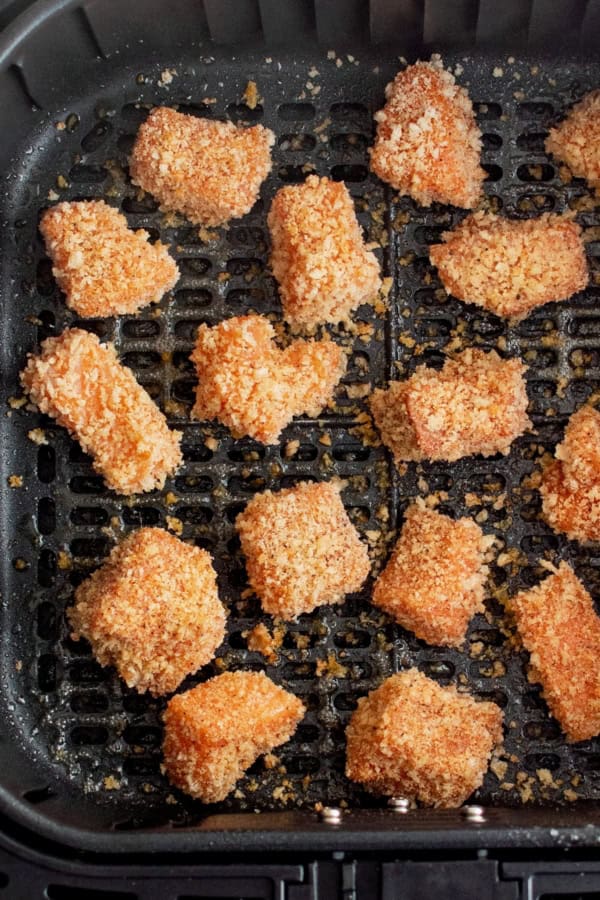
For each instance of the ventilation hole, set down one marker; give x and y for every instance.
(47, 673)
(46, 464)
(247, 296)
(47, 325)
(140, 516)
(532, 141)
(295, 174)
(304, 453)
(534, 327)
(87, 671)
(588, 327)
(137, 704)
(295, 143)
(491, 142)
(134, 113)
(48, 627)
(498, 697)
(87, 484)
(591, 762)
(193, 484)
(184, 391)
(302, 671)
(360, 515)
(296, 112)
(433, 328)
(90, 548)
(538, 172)
(541, 359)
(195, 515)
(191, 265)
(44, 279)
(486, 483)
(246, 451)
(345, 111)
(352, 638)
(196, 453)
(100, 327)
(141, 359)
(547, 730)
(350, 173)
(89, 702)
(233, 510)
(141, 766)
(246, 236)
(535, 111)
(251, 485)
(46, 568)
(349, 142)
(200, 110)
(82, 174)
(142, 735)
(302, 765)
(438, 668)
(140, 329)
(38, 795)
(429, 234)
(195, 298)
(542, 389)
(46, 515)
(487, 111)
(83, 735)
(125, 143)
(186, 330)
(181, 361)
(240, 112)
(292, 480)
(535, 761)
(351, 453)
(96, 137)
(538, 543)
(494, 173)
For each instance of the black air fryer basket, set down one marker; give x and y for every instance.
(79, 753)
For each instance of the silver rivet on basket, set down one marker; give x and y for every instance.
(331, 815)
(473, 814)
(399, 804)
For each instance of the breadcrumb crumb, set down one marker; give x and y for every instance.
(80, 382)
(414, 738)
(261, 640)
(209, 171)
(301, 549)
(152, 610)
(576, 140)
(215, 731)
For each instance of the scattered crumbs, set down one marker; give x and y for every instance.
(19, 665)
(386, 286)
(64, 560)
(498, 72)
(60, 126)
(313, 73)
(250, 95)
(171, 801)
(112, 784)
(211, 443)
(570, 795)
(171, 498)
(20, 564)
(37, 435)
(206, 235)
(499, 767)
(510, 60)
(15, 481)
(290, 449)
(331, 54)
(325, 439)
(534, 70)
(166, 76)
(61, 182)
(358, 391)
(330, 668)
(52, 195)
(339, 63)
(17, 402)
(174, 524)
(262, 641)
(458, 69)
(271, 761)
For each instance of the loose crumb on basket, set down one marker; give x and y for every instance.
(37, 436)
(261, 640)
(15, 481)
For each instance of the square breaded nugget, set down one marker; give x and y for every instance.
(81, 383)
(152, 610)
(254, 388)
(579, 450)
(560, 629)
(214, 732)
(414, 738)
(576, 140)
(428, 143)
(102, 267)
(318, 253)
(434, 581)
(476, 404)
(301, 549)
(210, 172)
(511, 267)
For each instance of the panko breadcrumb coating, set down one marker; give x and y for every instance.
(428, 143)
(576, 140)
(509, 266)
(215, 731)
(80, 382)
(301, 549)
(152, 610)
(560, 629)
(476, 404)
(210, 172)
(434, 581)
(414, 738)
(254, 388)
(318, 253)
(104, 268)
(570, 485)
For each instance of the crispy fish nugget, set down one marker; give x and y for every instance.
(102, 267)
(579, 451)
(208, 171)
(414, 738)
(301, 549)
(152, 610)
(576, 140)
(318, 253)
(560, 629)
(254, 388)
(81, 383)
(510, 267)
(215, 731)
(476, 404)
(428, 143)
(434, 581)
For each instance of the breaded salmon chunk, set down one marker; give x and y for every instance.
(428, 143)
(510, 267)
(477, 403)
(80, 382)
(152, 610)
(576, 140)
(434, 581)
(102, 267)
(215, 731)
(570, 485)
(561, 630)
(318, 253)
(252, 386)
(414, 738)
(301, 549)
(208, 171)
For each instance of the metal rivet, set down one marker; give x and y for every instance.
(331, 815)
(473, 814)
(399, 804)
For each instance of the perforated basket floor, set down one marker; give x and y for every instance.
(84, 732)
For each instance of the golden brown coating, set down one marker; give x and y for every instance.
(208, 171)
(102, 267)
(215, 731)
(512, 266)
(152, 610)
(254, 388)
(570, 485)
(414, 738)
(428, 143)
(433, 583)
(560, 629)
(476, 404)
(81, 383)
(301, 549)
(576, 140)
(318, 253)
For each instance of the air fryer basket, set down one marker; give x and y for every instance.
(79, 753)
